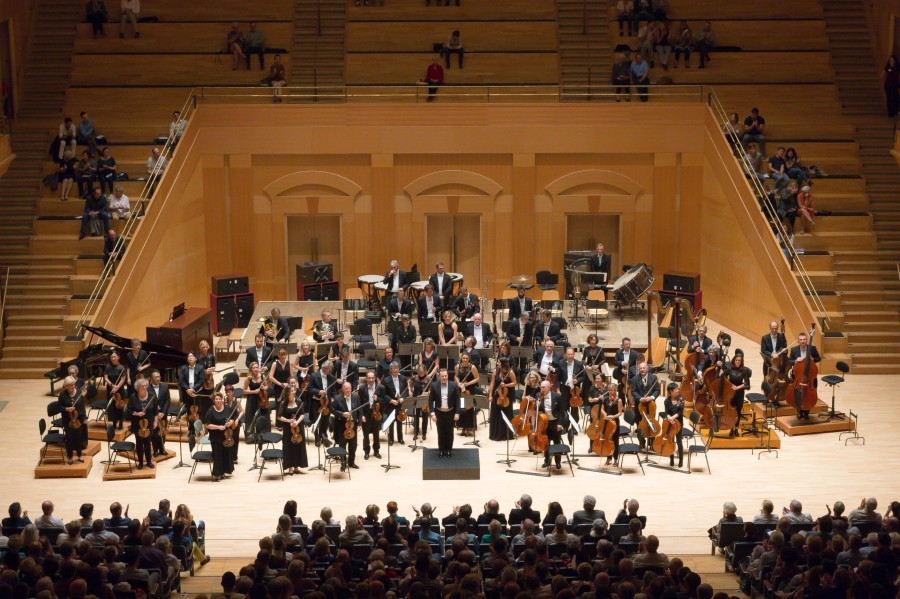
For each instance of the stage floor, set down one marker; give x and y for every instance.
(816, 469)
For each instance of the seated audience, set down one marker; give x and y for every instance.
(255, 43)
(629, 511)
(106, 171)
(865, 512)
(704, 41)
(434, 77)
(649, 554)
(95, 207)
(765, 515)
(86, 134)
(625, 14)
(66, 137)
(235, 46)
(47, 519)
(96, 14)
(795, 513)
(119, 204)
(754, 128)
(86, 174)
(277, 77)
(176, 127)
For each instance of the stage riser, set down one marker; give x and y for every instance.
(792, 427)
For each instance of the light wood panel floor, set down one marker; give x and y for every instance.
(816, 469)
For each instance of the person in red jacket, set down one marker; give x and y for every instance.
(434, 77)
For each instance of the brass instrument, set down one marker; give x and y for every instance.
(323, 328)
(269, 327)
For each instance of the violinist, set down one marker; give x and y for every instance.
(610, 409)
(142, 406)
(592, 356)
(71, 401)
(334, 352)
(346, 370)
(190, 384)
(205, 358)
(279, 374)
(674, 408)
(643, 387)
(502, 377)
(626, 362)
(252, 384)
(444, 401)
(406, 333)
(466, 376)
(232, 404)
(428, 357)
(552, 405)
(114, 377)
(275, 327)
(738, 376)
(290, 414)
(772, 343)
(344, 408)
(571, 374)
(520, 304)
(393, 387)
(160, 392)
(216, 421)
(466, 304)
(369, 394)
(383, 367)
(802, 351)
(700, 342)
(137, 360)
(420, 384)
(320, 389)
(400, 306)
(305, 361)
(469, 348)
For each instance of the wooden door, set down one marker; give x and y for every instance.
(455, 240)
(585, 231)
(313, 238)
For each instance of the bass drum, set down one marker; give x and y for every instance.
(633, 284)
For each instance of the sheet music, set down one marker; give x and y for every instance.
(389, 421)
(508, 423)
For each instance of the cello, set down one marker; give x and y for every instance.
(664, 444)
(648, 424)
(802, 388)
(522, 422)
(538, 440)
(605, 444)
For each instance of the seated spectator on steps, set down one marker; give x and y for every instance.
(277, 76)
(643, 11)
(66, 174)
(890, 78)
(805, 210)
(86, 134)
(434, 77)
(109, 245)
(732, 129)
(662, 44)
(255, 43)
(703, 42)
(454, 45)
(754, 162)
(682, 43)
(787, 212)
(131, 11)
(646, 36)
(176, 127)
(156, 158)
(96, 15)
(67, 137)
(625, 14)
(650, 555)
(777, 169)
(235, 46)
(106, 171)
(793, 168)
(640, 76)
(95, 206)
(621, 77)
(754, 129)
(119, 204)
(86, 174)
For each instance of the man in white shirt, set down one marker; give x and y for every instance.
(429, 305)
(156, 158)
(545, 360)
(480, 331)
(131, 10)
(393, 388)
(47, 519)
(66, 137)
(444, 400)
(119, 204)
(395, 278)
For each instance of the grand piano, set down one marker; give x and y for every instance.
(92, 360)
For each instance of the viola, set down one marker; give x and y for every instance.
(119, 400)
(143, 428)
(264, 398)
(229, 437)
(230, 428)
(376, 411)
(575, 399)
(503, 396)
(349, 429)
(208, 383)
(163, 428)
(74, 419)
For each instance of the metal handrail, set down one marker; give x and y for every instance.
(3, 306)
(131, 224)
(780, 233)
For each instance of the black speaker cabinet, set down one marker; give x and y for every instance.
(230, 284)
(243, 310)
(223, 307)
(314, 272)
(682, 282)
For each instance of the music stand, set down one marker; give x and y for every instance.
(291, 348)
(447, 352)
(477, 403)
(385, 428)
(520, 353)
(415, 403)
(410, 349)
(512, 431)
(484, 353)
(322, 349)
(314, 428)
(428, 329)
(181, 463)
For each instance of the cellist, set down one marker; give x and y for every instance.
(610, 409)
(551, 404)
(800, 352)
(643, 388)
(738, 377)
(674, 407)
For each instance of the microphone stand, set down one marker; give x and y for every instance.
(181, 463)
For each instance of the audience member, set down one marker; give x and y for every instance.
(86, 171)
(629, 511)
(156, 160)
(684, 39)
(589, 512)
(277, 77)
(523, 511)
(162, 516)
(777, 169)
(96, 15)
(795, 512)
(67, 137)
(765, 515)
(865, 513)
(106, 171)
(255, 43)
(434, 77)
(86, 514)
(131, 11)
(66, 174)
(649, 555)
(454, 45)
(640, 77)
(805, 210)
(704, 41)
(621, 77)
(47, 519)
(116, 519)
(235, 45)
(95, 207)
(661, 43)
(109, 245)
(625, 14)
(284, 531)
(754, 128)
(99, 535)
(491, 513)
(86, 133)
(119, 204)
(890, 78)
(176, 127)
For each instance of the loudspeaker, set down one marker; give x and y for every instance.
(330, 292)
(682, 282)
(243, 310)
(695, 299)
(230, 284)
(224, 309)
(314, 272)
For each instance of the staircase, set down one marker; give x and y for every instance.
(584, 44)
(867, 280)
(39, 282)
(318, 43)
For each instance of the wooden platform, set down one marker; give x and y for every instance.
(55, 466)
(787, 410)
(793, 427)
(746, 441)
(156, 459)
(97, 431)
(120, 471)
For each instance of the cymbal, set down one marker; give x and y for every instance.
(521, 280)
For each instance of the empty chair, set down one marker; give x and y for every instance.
(354, 302)
(115, 448)
(546, 280)
(832, 380)
(54, 437)
(698, 448)
(633, 449)
(550, 301)
(271, 454)
(597, 307)
(361, 331)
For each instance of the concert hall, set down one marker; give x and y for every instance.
(449, 298)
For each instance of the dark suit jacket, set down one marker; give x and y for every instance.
(389, 280)
(389, 392)
(406, 308)
(704, 345)
(459, 304)
(352, 373)
(254, 356)
(383, 368)
(633, 360)
(318, 382)
(578, 374)
(538, 357)
(557, 409)
(434, 396)
(447, 288)
(486, 334)
(183, 381)
(639, 390)
(601, 264)
(164, 399)
(811, 350)
(765, 344)
(585, 517)
(403, 336)
(364, 397)
(515, 330)
(423, 307)
(515, 307)
(486, 518)
(518, 515)
(544, 331)
(339, 406)
(283, 331)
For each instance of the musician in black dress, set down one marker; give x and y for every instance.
(205, 358)
(216, 421)
(291, 414)
(115, 377)
(344, 408)
(370, 394)
(674, 408)
(447, 335)
(137, 360)
(305, 364)
(233, 407)
(319, 392)
(502, 377)
(393, 389)
(738, 376)
(420, 385)
(467, 378)
(610, 409)
(253, 385)
(142, 407)
(71, 401)
(405, 333)
(279, 374)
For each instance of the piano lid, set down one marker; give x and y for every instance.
(125, 344)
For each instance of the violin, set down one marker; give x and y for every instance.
(144, 428)
(163, 428)
(119, 400)
(503, 396)
(349, 429)
(74, 420)
(296, 434)
(401, 413)
(264, 398)
(208, 383)
(802, 387)
(376, 411)
(193, 413)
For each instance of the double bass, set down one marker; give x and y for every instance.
(776, 375)
(802, 388)
(522, 422)
(538, 440)
(726, 415)
(703, 397)
(647, 414)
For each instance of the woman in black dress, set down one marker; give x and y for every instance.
(279, 373)
(66, 174)
(216, 420)
(71, 400)
(503, 376)
(592, 357)
(610, 409)
(891, 78)
(233, 406)
(739, 377)
(674, 407)
(304, 365)
(289, 414)
(114, 376)
(447, 335)
(467, 379)
(252, 386)
(428, 357)
(205, 358)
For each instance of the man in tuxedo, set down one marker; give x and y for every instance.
(160, 391)
(325, 329)
(545, 359)
(520, 304)
(343, 407)
(190, 384)
(626, 361)
(553, 406)
(644, 388)
(571, 373)
(429, 305)
(443, 398)
(346, 370)
(772, 343)
(481, 331)
(393, 387)
(442, 283)
(547, 329)
(281, 331)
(370, 394)
(520, 331)
(601, 262)
(259, 353)
(700, 342)
(395, 278)
(465, 304)
(400, 305)
(320, 385)
(803, 351)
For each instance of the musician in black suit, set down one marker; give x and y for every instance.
(700, 342)
(430, 305)
(520, 331)
(519, 304)
(801, 352)
(190, 384)
(71, 401)
(546, 329)
(465, 304)
(406, 333)
(644, 389)
(393, 388)
(383, 366)
(370, 394)
(772, 343)
(480, 331)
(142, 406)
(321, 385)
(552, 405)
(626, 361)
(442, 283)
(571, 373)
(346, 370)
(160, 391)
(601, 262)
(259, 353)
(444, 400)
(399, 305)
(395, 278)
(137, 360)
(545, 358)
(275, 328)
(344, 409)
(325, 330)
